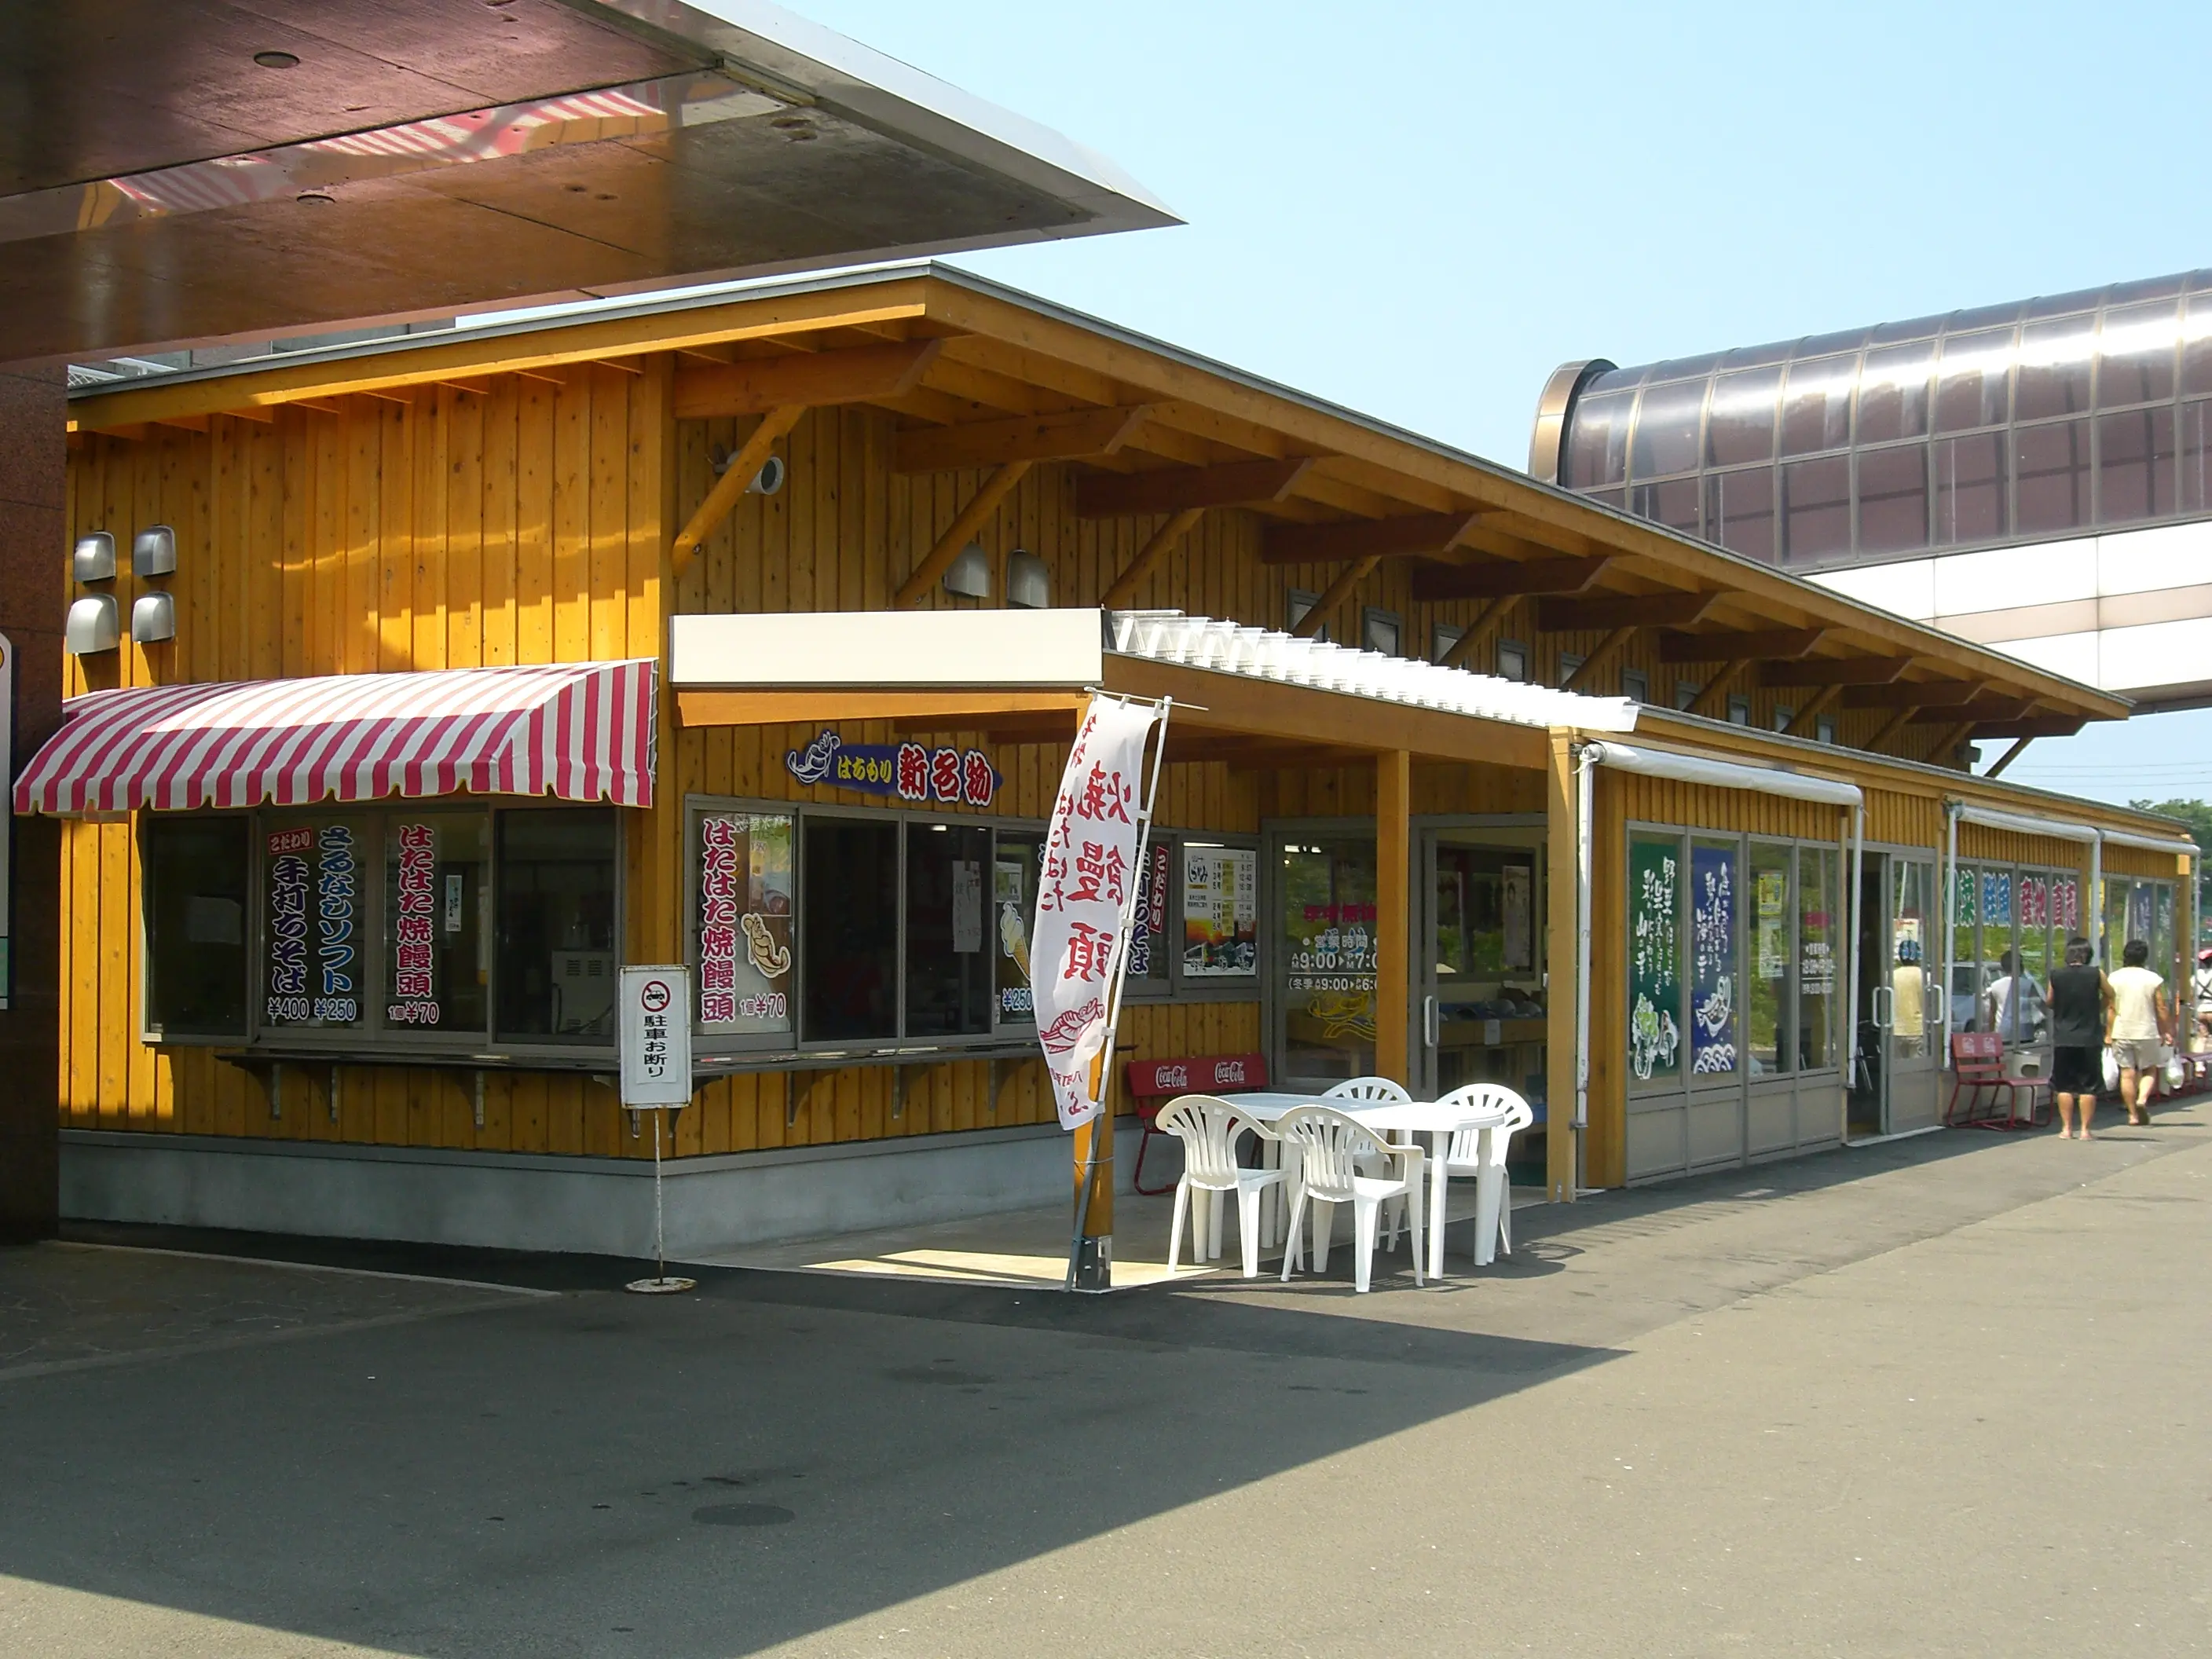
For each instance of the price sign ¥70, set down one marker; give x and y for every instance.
(656, 1036)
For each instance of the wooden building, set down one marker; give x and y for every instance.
(850, 535)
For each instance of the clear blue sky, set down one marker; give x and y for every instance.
(1420, 209)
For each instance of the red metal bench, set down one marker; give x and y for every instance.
(1153, 1083)
(1977, 1063)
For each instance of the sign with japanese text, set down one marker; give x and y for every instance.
(337, 873)
(414, 973)
(2066, 903)
(910, 771)
(745, 921)
(1148, 927)
(1221, 912)
(1654, 958)
(1712, 961)
(1085, 892)
(656, 1038)
(289, 1003)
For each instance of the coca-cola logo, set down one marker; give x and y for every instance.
(1173, 1077)
(1229, 1071)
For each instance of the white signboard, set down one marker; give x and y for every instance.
(1083, 895)
(656, 1036)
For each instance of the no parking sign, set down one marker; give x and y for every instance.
(656, 1036)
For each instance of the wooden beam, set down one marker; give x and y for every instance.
(1592, 665)
(1557, 615)
(1179, 489)
(1163, 541)
(1712, 702)
(2008, 758)
(1360, 539)
(1486, 622)
(1947, 743)
(261, 414)
(751, 455)
(1507, 578)
(759, 385)
(1979, 712)
(1806, 719)
(1395, 915)
(950, 710)
(1069, 436)
(1347, 580)
(1834, 671)
(2040, 726)
(1913, 693)
(1890, 727)
(1759, 643)
(972, 517)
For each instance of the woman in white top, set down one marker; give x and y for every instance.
(2201, 987)
(2135, 1023)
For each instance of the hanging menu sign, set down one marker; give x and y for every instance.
(337, 872)
(1712, 961)
(1221, 912)
(288, 1002)
(1148, 927)
(744, 923)
(414, 983)
(1654, 958)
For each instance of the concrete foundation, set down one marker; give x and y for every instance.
(596, 1205)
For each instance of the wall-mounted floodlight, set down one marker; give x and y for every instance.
(969, 574)
(154, 551)
(94, 625)
(153, 617)
(1029, 583)
(93, 561)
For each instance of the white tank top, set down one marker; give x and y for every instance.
(2135, 1004)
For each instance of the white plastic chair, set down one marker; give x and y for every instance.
(1328, 1145)
(1375, 1090)
(1209, 1129)
(1493, 1192)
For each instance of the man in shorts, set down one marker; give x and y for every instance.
(2081, 1008)
(2136, 1023)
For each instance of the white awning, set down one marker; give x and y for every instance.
(2022, 823)
(1724, 775)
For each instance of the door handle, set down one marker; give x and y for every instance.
(1432, 1024)
(1885, 1006)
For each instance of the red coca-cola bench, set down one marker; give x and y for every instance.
(1153, 1083)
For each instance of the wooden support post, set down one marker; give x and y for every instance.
(1948, 745)
(1712, 702)
(2007, 758)
(1485, 624)
(1559, 965)
(972, 517)
(1395, 919)
(1806, 719)
(1890, 727)
(1607, 648)
(1337, 592)
(744, 465)
(1164, 541)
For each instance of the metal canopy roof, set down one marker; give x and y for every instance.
(179, 171)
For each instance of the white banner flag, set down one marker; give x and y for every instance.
(1083, 897)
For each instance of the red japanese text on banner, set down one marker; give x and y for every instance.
(1082, 895)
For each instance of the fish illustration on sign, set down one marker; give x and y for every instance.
(814, 764)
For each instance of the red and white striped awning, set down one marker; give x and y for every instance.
(578, 731)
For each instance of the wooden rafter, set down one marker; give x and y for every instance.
(1486, 622)
(1361, 538)
(1712, 701)
(1913, 693)
(2009, 756)
(1807, 719)
(751, 455)
(1890, 727)
(1981, 711)
(1833, 671)
(1948, 743)
(1595, 664)
(1070, 436)
(817, 379)
(1507, 578)
(1162, 542)
(1179, 489)
(1561, 616)
(971, 518)
(1755, 643)
(2046, 726)
(1348, 582)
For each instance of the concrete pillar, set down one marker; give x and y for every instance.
(34, 410)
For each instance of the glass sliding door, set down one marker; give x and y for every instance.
(1478, 993)
(1913, 1012)
(1324, 957)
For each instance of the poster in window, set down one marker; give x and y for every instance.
(1654, 958)
(1013, 896)
(2066, 903)
(744, 923)
(415, 909)
(1996, 897)
(1148, 925)
(1515, 888)
(967, 907)
(314, 953)
(1221, 912)
(1712, 961)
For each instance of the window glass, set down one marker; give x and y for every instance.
(1221, 912)
(1816, 410)
(2136, 466)
(1893, 392)
(2195, 445)
(2050, 477)
(742, 923)
(1380, 632)
(1714, 878)
(1654, 958)
(1892, 498)
(1667, 429)
(1443, 636)
(1672, 503)
(1152, 945)
(1969, 487)
(1816, 958)
(950, 986)
(1636, 685)
(1907, 968)
(1740, 512)
(2161, 933)
(2000, 963)
(1597, 440)
(317, 923)
(1971, 388)
(1966, 977)
(1328, 945)
(1512, 660)
(1767, 991)
(437, 868)
(2031, 1014)
(1816, 509)
(1014, 857)
(848, 929)
(2136, 361)
(195, 872)
(2054, 368)
(556, 924)
(1740, 426)
(2196, 345)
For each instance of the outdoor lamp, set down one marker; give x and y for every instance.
(153, 552)
(969, 574)
(1029, 583)
(153, 617)
(95, 624)
(93, 561)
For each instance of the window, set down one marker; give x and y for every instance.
(2050, 477)
(317, 928)
(1739, 711)
(741, 921)
(437, 881)
(1816, 410)
(1667, 429)
(1654, 958)
(849, 929)
(1672, 502)
(948, 979)
(195, 877)
(1444, 640)
(1740, 425)
(1381, 630)
(1893, 392)
(1570, 666)
(1893, 498)
(1512, 660)
(1824, 729)
(1326, 947)
(1686, 693)
(555, 965)
(1636, 685)
(1714, 880)
(1816, 509)
(1740, 512)
(1783, 716)
(1972, 389)
(1767, 999)
(1013, 898)
(1297, 605)
(1817, 935)
(2135, 473)
(1969, 487)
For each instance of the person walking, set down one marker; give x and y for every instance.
(1999, 996)
(2136, 1022)
(2081, 1008)
(2200, 986)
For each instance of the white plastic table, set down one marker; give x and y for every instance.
(1439, 1123)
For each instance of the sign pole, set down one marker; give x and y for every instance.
(656, 1079)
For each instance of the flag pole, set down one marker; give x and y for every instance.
(1090, 1260)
